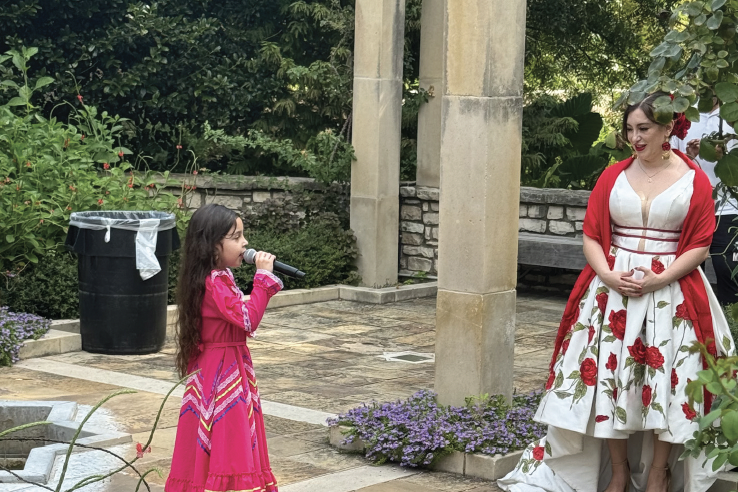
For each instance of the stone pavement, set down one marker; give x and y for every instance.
(311, 361)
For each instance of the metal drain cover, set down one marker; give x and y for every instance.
(409, 357)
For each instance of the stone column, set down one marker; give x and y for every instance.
(377, 111)
(431, 79)
(480, 187)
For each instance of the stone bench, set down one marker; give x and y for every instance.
(563, 252)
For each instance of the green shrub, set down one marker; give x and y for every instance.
(322, 249)
(48, 289)
(49, 169)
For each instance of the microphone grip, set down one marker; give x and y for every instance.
(288, 270)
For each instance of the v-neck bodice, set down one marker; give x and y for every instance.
(655, 229)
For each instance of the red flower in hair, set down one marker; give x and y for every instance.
(681, 124)
(681, 127)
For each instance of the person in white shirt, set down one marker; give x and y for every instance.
(724, 248)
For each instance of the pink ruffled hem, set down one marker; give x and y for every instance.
(242, 482)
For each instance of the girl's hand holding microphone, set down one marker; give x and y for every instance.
(264, 261)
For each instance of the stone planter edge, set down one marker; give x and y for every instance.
(467, 464)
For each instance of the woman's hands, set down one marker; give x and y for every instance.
(264, 261)
(626, 283)
(619, 282)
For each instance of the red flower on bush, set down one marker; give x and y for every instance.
(550, 382)
(612, 362)
(674, 378)
(106, 166)
(681, 127)
(601, 418)
(120, 154)
(657, 267)
(538, 453)
(588, 372)
(638, 351)
(646, 395)
(611, 261)
(617, 323)
(100, 201)
(681, 311)
(79, 97)
(688, 411)
(179, 147)
(654, 358)
(601, 299)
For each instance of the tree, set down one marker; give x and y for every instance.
(574, 45)
(695, 63)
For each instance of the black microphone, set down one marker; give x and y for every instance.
(280, 267)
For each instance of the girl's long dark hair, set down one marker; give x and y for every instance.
(207, 227)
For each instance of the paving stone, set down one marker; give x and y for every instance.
(320, 356)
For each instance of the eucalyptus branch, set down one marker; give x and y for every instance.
(83, 446)
(23, 427)
(98, 478)
(143, 477)
(79, 430)
(24, 480)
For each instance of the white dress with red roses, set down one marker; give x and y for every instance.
(624, 364)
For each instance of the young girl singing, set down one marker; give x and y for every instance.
(221, 443)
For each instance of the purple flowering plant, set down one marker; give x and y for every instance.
(418, 431)
(14, 329)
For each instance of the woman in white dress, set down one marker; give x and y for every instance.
(615, 403)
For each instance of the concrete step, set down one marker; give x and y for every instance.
(53, 343)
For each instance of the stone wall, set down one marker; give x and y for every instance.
(418, 231)
(542, 211)
(238, 193)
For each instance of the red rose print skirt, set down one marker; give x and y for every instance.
(621, 374)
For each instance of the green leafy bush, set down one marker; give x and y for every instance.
(559, 143)
(49, 169)
(322, 249)
(48, 289)
(717, 436)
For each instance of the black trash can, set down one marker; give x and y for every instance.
(120, 312)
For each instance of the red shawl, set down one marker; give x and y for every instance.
(697, 231)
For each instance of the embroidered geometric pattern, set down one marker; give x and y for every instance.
(234, 288)
(227, 391)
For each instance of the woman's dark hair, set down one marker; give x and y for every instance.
(646, 105)
(207, 227)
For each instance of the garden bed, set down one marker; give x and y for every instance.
(484, 438)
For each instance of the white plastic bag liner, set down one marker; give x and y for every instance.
(146, 224)
(146, 261)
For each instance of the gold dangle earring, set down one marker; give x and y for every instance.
(666, 147)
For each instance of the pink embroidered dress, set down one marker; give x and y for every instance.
(221, 442)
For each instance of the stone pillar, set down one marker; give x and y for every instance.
(377, 111)
(431, 79)
(480, 189)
